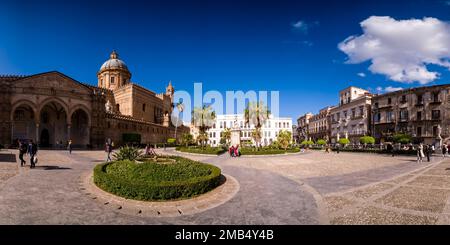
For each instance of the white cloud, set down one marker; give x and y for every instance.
(361, 74)
(401, 49)
(303, 26)
(381, 90)
(392, 89)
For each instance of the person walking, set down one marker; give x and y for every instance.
(338, 148)
(420, 154)
(428, 152)
(444, 150)
(108, 150)
(147, 150)
(32, 150)
(69, 146)
(22, 151)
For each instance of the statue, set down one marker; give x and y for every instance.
(108, 106)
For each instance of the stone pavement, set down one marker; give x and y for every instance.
(309, 188)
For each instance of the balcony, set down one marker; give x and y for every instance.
(419, 103)
(435, 102)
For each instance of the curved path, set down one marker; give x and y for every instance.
(310, 188)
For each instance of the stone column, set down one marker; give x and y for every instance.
(12, 132)
(37, 133)
(68, 131)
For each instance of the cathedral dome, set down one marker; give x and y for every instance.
(114, 63)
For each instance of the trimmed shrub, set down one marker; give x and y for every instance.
(199, 150)
(344, 141)
(307, 142)
(155, 181)
(321, 142)
(367, 140)
(267, 151)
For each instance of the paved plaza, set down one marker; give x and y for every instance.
(306, 188)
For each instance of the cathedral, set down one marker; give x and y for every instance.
(52, 108)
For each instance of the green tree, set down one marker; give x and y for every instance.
(402, 138)
(203, 119)
(284, 138)
(187, 139)
(256, 113)
(367, 140)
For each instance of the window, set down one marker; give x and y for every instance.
(353, 113)
(389, 116)
(419, 99)
(101, 82)
(345, 114)
(403, 115)
(435, 131)
(112, 80)
(389, 101)
(376, 117)
(436, 97)
(143, 107)
(117, 107)
(375, 106)
(403, 99)
(419, 131)
(361, 111)
(435, 114)
(419, 116)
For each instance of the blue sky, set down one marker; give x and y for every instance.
(289, 46)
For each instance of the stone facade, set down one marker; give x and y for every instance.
(303, 127)
(351, 119)
(420, 112)
(319, 125)
(51, 108)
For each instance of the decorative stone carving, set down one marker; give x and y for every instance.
(108, 106)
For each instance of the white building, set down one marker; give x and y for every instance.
(269, 131)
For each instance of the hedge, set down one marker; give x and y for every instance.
(151, 189)
(198, 150)
(267, 151)
(378, 151)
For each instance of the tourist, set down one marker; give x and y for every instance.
(428, 152)
(32, 150)
(152, 150)
(236, 151)
(327, 148)
(22, 150)
(231, 150)
(147, 150)
(420, 154)
(69, 146)
(390, 149)
(444, 150)
(108, 150)
(338, 148)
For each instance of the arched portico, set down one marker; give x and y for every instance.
(79, 126)
(24, 121)
(52, 124)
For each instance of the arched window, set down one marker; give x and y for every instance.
(143, 107)
(112, 80)
(117, 107)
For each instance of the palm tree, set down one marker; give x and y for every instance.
(256, 114)
(203, 119)
(257, 135)
(226, 135)
(187, 138)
